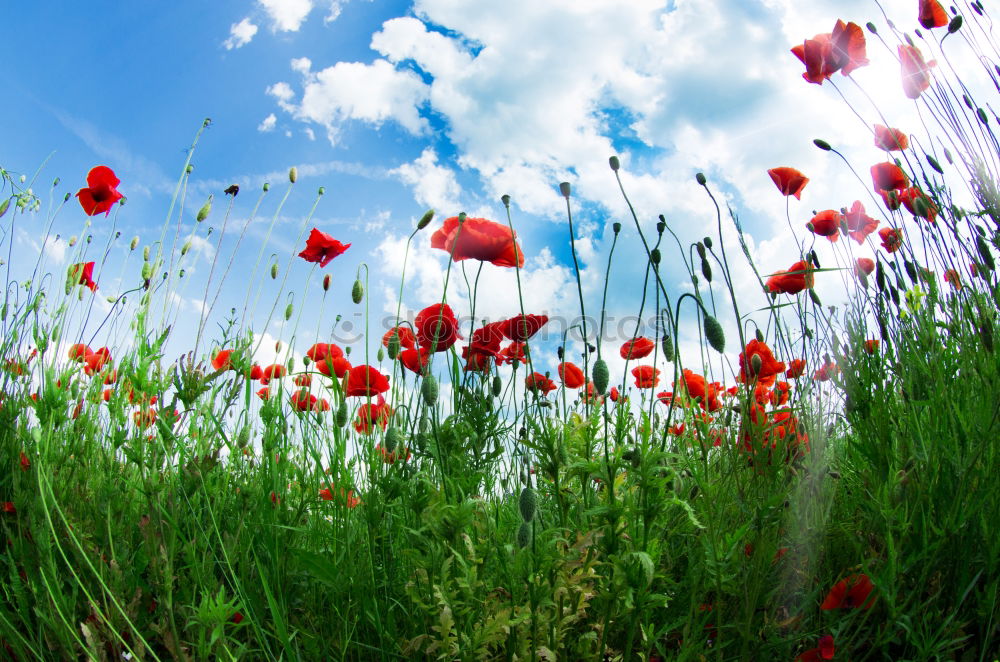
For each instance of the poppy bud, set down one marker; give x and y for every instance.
(895, 295)
(871, 27)
(694, 281)
(601, 376)
(660, 227)
(293, 174)
(274, 271)
(756, 364)
(393, 346)
(564, 189)
(984, 253)
(425, 220)
(267, 187)
(380, 354)
(321, 191)
(880, 277)
(708, 242)
(147, 270)
(706, 270)
(714, 333)
(955, 25)
(72, 241)
(341, 418)
(288, 312)
(429, 390)
(527, 504)
(700, 247)
(616, 227)
(911, 271)
(822, 144)
(814, 297)
(614, 163)
(186, 247)
(205, 210)
(357, 291)
(392, 439)
(947, 156)
(505, 199)
(524, 535)
(560, 352)
(327, 279)
(700, 178)
(497, 386)
(934, 164)
(189, 169)
(654, 256)
(3, 207)
(180, 274)
(667, 343)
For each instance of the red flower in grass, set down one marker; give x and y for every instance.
(953, 279)
(932, 15)
(826, 224)
(826, 371)
(841, 50)
(892, 239)
(571, 375)
(333, 366)
(697, 387)
(237, 617)
(890, 139)
(319, 351)
(859, 224)
(274, 371)
(82, 273)
(321, 247)
(888, 176)
(798, 277)
(852, 592)
(522, 327)
(536, 382)
(918, 203)
(398, 454)
(348, 498)
(636, 348)
(437, 328)
(96, 361)
(255, 373)
(758, 353)
(824, 651)
(646, 376)
(365, 381)
(871, 345)
(863, 267)
(78, 352)
(101, 193)
(513, 353)
(406, 338)
(789, 181)
(303, 380)
(221, 360)
(8, 508)
(144, 417)
(25, 462)
(303, 400)
(915, 71)
(478, 239)
(264, 393)
(415, 360)
(371, 414)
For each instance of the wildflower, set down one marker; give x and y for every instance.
(8, 508)
(237, 618)
(391, 457)
(892, 239)
(522, 327)
(336, 366)
(303, 400)
(274, 371)
(321, 247)
(303, 380)
(616, 395)
(931, 14)
(96, 361)
(789, 181)
(255, 372)
(918, 203)
(513, 352)
(798, 277)
(350, 500)
(536, 382)
(144, 417)
(365, 381)
(437, 327)
(696, 387)
(890, 139)
(221, 359)
(636, 348)
(25, 462)
(264, 393)
(478, 239)
(757, 364)
(852, 592)
(82, 273)
(415, 360)
(824, 651)
(826, 371)
(888, 176)
(406, 338)
(101, 193)
(646, 376)
(842, 50)
(571, 375)
(859, 224)
(863, 267)
(826, 224)
(321, 350)
(952, 277)
(871, 345)
(78, 352)
(915, 71)
(372, 414)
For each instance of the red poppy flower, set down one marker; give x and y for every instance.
(513, 352)
(25, 462)
(789, 181)
(571, 375)
(78, 352)
(303, 400)
(918, 203)
(842, 50)
(478, 239)
(321, 247)
(952, 277)
(646, 376)
(520, 328)
(365, 381)
(798, 277)
(932, 15)
(336, 366)
(824, 651)
(406, 338)
(826, 224)
(264, 393)
(8, 508)
(144, 417)
(101, 193)
(888, 176)
(666, 397)
(390, 458)
(255, 372)
(826, 371)
(274, 371)
(859, 224)
(636, 348)
(371, 414)
(82, 273)
(615, 394)
(890, 139)
(415, 360)
(892, 239)
(915, 72)
(348, 498)
(769, 369)
(476, 361)
(221, 360)
(696, 387)
(96, 361)
(437, 327)
(779, 396)
(536, 381)
(864, 266)
(871, 345)
(852, 592)
(303, 380)
(319, 351)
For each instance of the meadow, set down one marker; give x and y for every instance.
(817, 482)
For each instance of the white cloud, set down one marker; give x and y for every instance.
(286, 15)
(240, 34)
(433, 185)
(268, 123)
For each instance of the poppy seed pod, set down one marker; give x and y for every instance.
(429, 390)
(660, 227)
(327, 279)
(267, 187)
(564, 189)
(601, 376)
(357, 291)
(527, 504)
(654, 256)
(392, 439)
(524, 535)
(205, 210)
(497, 386)
(616, 227)
(293, 174)
(614, 163)
(708, 242)
(341, 418)
(714, 333)
(700, 178)
(321, 191)
(505, 199)
(667, 343)
(393, 346)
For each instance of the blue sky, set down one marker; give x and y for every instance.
(395, 107)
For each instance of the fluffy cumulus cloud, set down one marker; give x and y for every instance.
(433, 185)
(240, 34)
(286, 15)
(268, 123)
